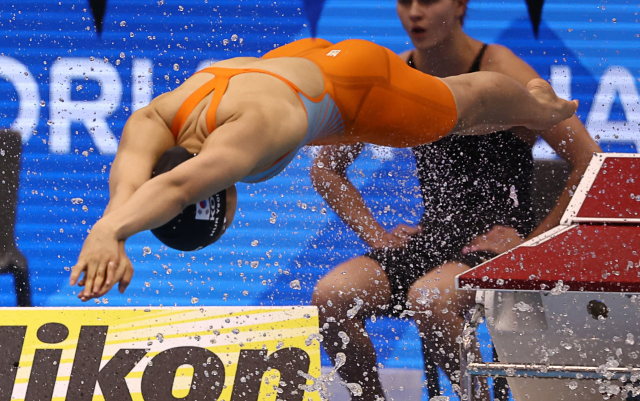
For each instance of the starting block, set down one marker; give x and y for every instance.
(565, 305)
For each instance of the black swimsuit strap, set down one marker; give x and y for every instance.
(475, 67)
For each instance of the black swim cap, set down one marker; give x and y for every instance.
(198, 225)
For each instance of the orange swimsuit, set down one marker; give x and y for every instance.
(370, 95)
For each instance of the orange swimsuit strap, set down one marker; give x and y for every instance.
(220, 82)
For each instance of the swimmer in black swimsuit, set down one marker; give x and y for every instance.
(476, 194)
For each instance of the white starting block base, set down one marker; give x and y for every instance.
(541, 328)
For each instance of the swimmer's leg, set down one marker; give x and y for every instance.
(298, 48)
(489, 101)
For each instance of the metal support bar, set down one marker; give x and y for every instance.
(548, 371)
(471, 323)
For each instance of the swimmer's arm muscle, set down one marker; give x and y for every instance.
(228, 155)
(144, 138)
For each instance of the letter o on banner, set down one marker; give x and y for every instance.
(158, 377)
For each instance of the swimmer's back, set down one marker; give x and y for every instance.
(245, 91)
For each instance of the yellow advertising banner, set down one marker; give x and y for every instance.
(159, 354)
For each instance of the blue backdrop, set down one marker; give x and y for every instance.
(70, 91)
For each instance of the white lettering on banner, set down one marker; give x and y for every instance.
(28, 101)
(142, 83)
(616, 80)
(561, 81)
(93, 114)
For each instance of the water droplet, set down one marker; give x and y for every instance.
(146, 251)
(345, 339)
(123, 23)
(77, 201)
(560, 288)
(351, 313)
(254, 242)
(160, 337)
(523, 307)
(176, 67)
(254, 264)
(79, 87)
(194, 300)
(630, 339)
(295, 284)
(180, 8)
(122, 55)
(85, 208)
(42, 103)
(225, 42)
(355, 389)
(234, 37)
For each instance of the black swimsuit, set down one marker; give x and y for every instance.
(469, 184)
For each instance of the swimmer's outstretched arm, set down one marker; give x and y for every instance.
(226, 157)
(490, 101)
(144, 139)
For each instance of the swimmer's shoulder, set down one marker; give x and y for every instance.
(498, 58)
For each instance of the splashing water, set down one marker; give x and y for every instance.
(345, 339)
(314, 336)
(355, 388)
(295, 284)
(560, 288)
(523, 307)
(351, 313)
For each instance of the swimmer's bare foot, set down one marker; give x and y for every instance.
(554, 109)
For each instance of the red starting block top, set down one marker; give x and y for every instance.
(594, 258)
(608, 192)
(599, 254)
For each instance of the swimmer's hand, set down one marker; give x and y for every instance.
(120, 273)
(100, 253)
(555, 108)
(397, 238)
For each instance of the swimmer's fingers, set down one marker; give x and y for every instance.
(94, 266)
(114, 275)
(102, 275)
(77, 270)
